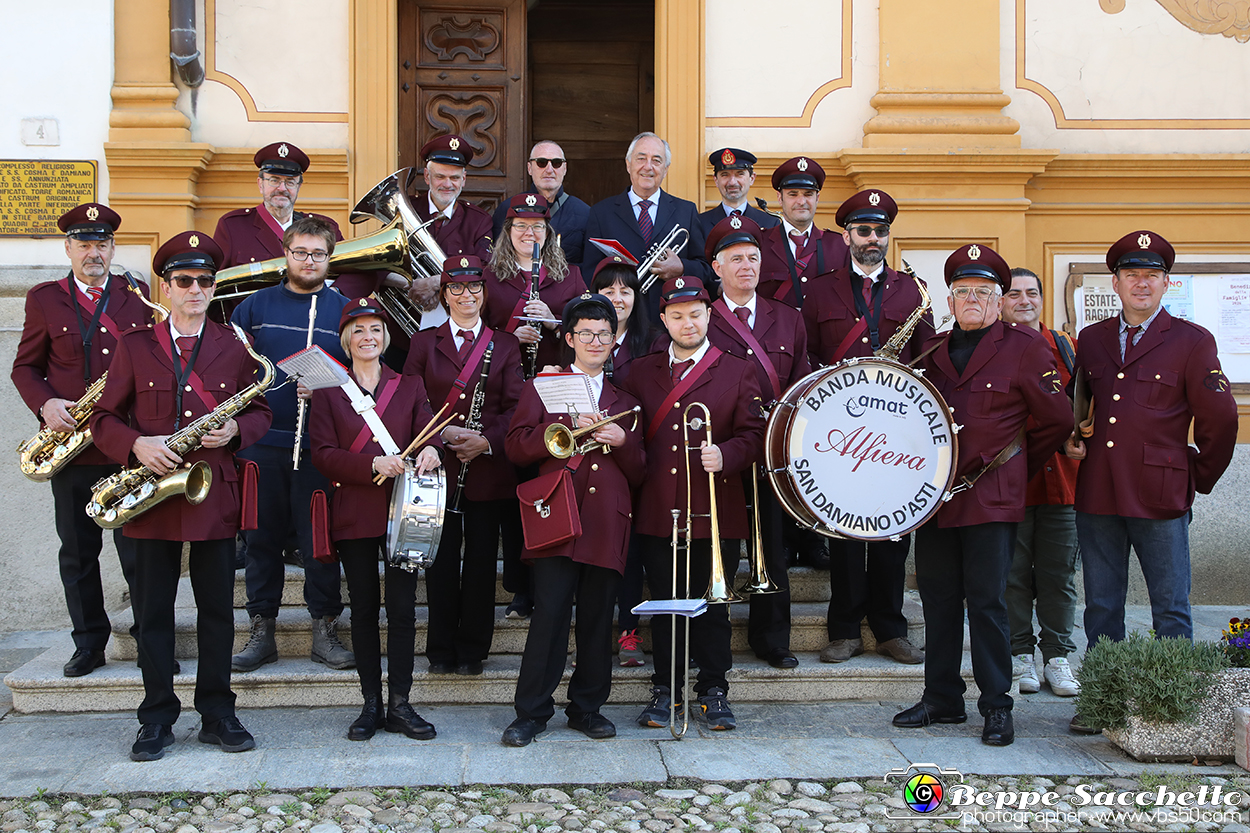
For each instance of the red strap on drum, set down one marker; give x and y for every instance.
(680, 389)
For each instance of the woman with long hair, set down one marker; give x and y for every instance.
(617, 280)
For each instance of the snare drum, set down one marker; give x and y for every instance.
(416, 524)
(864, 450)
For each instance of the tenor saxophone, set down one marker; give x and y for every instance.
(124, 496)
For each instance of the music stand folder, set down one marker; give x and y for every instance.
(689, 608)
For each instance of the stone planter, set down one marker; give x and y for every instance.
(1210, 736)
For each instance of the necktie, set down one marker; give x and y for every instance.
(737, 212)
(439, 223)
(186, 344)
(1130, 334)
(679, 369)
(867, 287)
(95, 293)
(466, 344)
(744, 315)
(645, 225)
(800, 243)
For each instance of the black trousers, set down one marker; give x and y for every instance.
(79, 556)
(966, 562)
(158, 566)
(462, 588)
(629, 593)
(359, 557)
(558, 582)
(516, 577)
(709, 633)
(768, 622)
(866, 578)
(284, 495)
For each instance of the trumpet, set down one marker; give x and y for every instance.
(563, 442)
(657, 251)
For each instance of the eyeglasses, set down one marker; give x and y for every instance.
(590, 337)
(301, 255)
(281, 181)
(543, 162)
(982, 293)
(474, 287)
(865, 232)
(536, 228)
(185, 282)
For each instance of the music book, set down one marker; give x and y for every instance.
(566, 393)
(315, 368)
(672, 607)
(613, 248)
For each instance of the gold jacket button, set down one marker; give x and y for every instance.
(1116, 397)
(592, 490)
(223, 384)
(186, 465)
(187, 414)
(105, 330)
(594, 467)
(65, 329)
(804, 280)
(150, 384)
(989, 384)
(462, 396)
(672, 471)
(1110, 444)
(676, 405)
(1157, 377)
(1112, 420)
(864, 340)
(1119, 375)
(187, 388)
(105, 351)
(674, 448)
(674, 428)
(751, 352)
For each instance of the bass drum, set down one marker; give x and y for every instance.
(416, 525)
(863, 450)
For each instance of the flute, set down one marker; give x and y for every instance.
(303, 403)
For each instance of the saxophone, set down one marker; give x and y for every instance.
(531, 350)
(473, 423)
(124, 496)
(892, 348)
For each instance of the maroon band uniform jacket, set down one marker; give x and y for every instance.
(1138, 462)
(775, 280)
(830, 314)
(245, 237)
(50, 355)
(138, 401)
(602, 483)
(361, 509)
(779, 330)
(502, 298)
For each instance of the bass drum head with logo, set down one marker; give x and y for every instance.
(862, 450)
(416, 524)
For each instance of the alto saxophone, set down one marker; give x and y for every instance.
(894, 346)
(124, 496)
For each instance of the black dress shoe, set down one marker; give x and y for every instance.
(402, 719)
(593, 725)
(814, 555)
(999, 729)
(922, 714)
(83, 662)
(372, 716)
(781, 658)
(151, 741)
(229, 734)
(472, 668)
(442, 668)
(522, 730)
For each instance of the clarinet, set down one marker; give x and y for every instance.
(531, 350)
(473, 423)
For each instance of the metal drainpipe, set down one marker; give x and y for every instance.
(182, 42)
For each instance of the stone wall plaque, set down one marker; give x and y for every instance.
(35, 192)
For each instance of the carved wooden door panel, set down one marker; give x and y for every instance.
(461, 71)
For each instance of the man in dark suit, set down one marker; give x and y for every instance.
(1001, 383)
(69, 339)
(644, 215)
(693, 370)
(163, 379)
(1150, 376)
(796, 251)
(735, 174)
(567, 214)
(851, 313)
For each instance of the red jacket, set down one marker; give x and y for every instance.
(602, 483)
(1139, 463)
(502, 297)
(433, 357)
(775, 279)
(50, 356)
(140, 393)
(1055, 484)
(830, 315)
(361, 509)
(245, 237)
(779, 330)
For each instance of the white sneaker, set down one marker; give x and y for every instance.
(1059, 677)
(1027, 671)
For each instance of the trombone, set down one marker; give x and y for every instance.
(758, 582)
(563, 442)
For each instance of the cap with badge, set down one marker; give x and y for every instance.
(528, 205)
(282, 158)
(731, 159)
(460, 269)
(976, 261)
(360, 308)
(1141, 250)
(449, 149)
(89, 221)
(870, 206)
(683, 289)
(730, 232)
(575, 310)
(799, 172)
(188, 250)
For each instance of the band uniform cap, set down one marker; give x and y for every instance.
(977, 261)
(461, 268)
(869, 206)
(1141, 250)
(528, 205)
(683, 289)
(360, 308)
(282, 158)
(576, 309)
(89, 221)
(731, 159)
(629, 263)
(188, 250)
(730, 232)
(449, 149)
(799, 172)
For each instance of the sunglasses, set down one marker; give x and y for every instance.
(865, 232)
(543, 162)
(185, 282)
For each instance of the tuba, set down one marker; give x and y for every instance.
(124, 496)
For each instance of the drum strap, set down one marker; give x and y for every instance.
(364, 405)
(1010, 450)
(679, 390)
(744, 332)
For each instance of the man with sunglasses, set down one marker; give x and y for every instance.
(850, 313)
(277, 319)
(797, 251)
(734, 170)
(163, 378)
(567, 214)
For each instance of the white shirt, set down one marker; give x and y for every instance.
(697, 356)
(434, 212)
(730, 209)
(634, 201)
(750, 307)
(175, 335)
(476, 329)
(82, 287)
(872, 276)
(787, 228)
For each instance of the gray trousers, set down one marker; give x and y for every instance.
(1043, 569)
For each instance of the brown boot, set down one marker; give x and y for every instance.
(840, 650)
(901, 650)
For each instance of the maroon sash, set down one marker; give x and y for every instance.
(89, 305)
(857, 332)
(194, 381)
(515, 320)
(679, 390)
(744, 332)
(269, 220)
(388, 392)
(470, 364)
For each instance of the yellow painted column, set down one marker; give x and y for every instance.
(679, 110)
(374, 109)
(143, 92)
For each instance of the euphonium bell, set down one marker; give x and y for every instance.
(562, 442)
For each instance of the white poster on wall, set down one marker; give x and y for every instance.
(1095, 301)
(1178, 300)
(1233, 335)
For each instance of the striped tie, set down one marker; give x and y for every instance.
(645, 225)
(95, 293)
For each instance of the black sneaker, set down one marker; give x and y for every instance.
(151, 741)
(656, 714)
(229, 734)
(714, 709)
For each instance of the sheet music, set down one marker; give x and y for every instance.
(566, 393)
(673, 607)
(315, 368)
